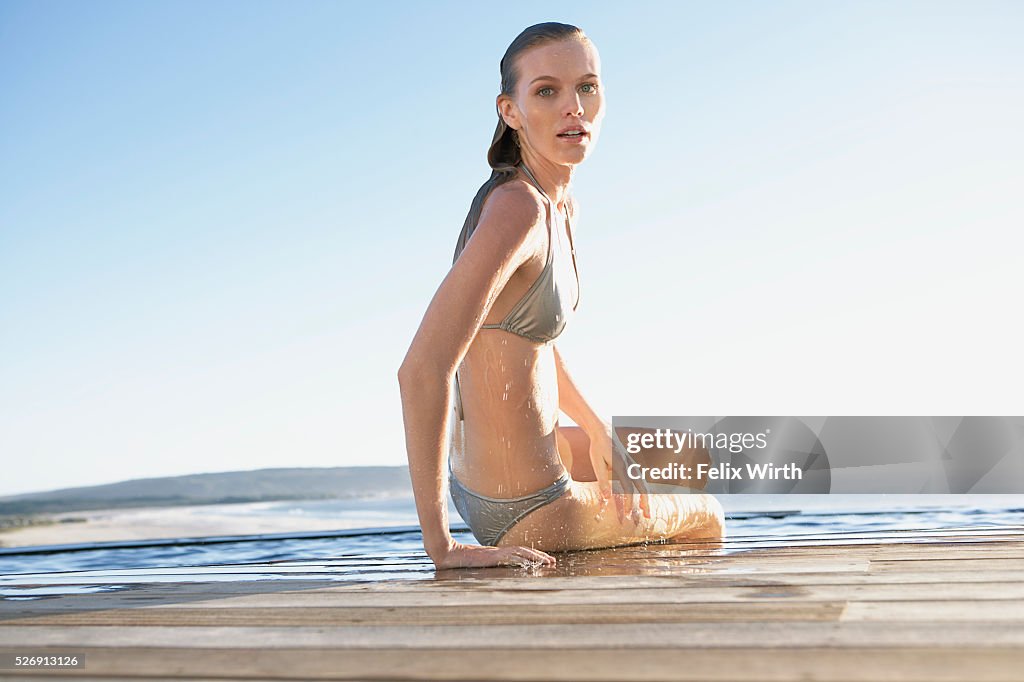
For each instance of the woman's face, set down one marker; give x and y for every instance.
(559, 92)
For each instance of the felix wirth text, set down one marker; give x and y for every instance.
(725, 471)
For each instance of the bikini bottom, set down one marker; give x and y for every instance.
(491, 517)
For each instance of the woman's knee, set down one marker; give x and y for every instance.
(709, 518)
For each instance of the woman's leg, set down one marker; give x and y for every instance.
(581, 519)
(574, 449)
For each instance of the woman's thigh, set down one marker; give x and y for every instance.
(582, 519)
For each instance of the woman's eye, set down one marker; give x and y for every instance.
(544, 92)
(591, 88)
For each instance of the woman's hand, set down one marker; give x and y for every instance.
(459, 555)
(610, 463)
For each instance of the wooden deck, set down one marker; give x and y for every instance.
(925, 606)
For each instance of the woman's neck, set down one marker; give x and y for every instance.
(554, 179)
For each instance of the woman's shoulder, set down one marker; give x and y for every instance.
(515, 202)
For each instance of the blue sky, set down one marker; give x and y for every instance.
(220, 223)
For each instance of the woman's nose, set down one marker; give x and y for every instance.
(575, 106)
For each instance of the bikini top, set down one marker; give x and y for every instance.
(542, 312)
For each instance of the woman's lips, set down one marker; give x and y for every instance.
(575, 139)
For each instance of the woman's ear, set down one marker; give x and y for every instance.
(508, 111)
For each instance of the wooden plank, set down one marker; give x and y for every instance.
(891, 611)
(895, 535)
(966, 565)
(165, 609)
(888, 591)
(679, 636)
(600, 665)
(481, 591)
(444, 615)
(934, 611)
(724, 578)
(895, 553)
(743, 592)
(145, 601)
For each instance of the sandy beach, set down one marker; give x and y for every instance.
(176, 522)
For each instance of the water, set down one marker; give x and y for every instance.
(754, 522)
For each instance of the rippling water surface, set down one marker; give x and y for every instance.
(397, 553)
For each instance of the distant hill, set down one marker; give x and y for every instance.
(261, 485)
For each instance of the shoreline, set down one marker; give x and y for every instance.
(158, 523)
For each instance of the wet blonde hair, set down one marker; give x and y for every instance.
(503, 155)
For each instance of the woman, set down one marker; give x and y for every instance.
(486, 346)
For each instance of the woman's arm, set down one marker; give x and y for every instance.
(572, 402)
(503, 240)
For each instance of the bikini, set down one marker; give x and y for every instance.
(540, 316)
